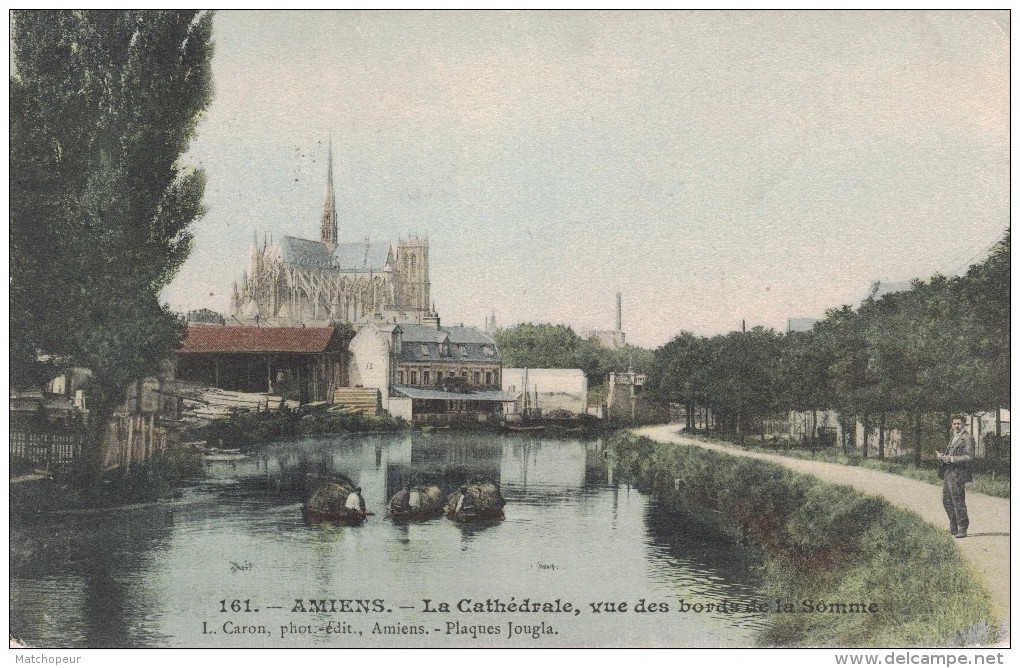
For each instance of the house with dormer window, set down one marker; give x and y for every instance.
(430, 373)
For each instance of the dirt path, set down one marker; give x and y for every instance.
(986, 546)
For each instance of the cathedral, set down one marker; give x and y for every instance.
(301, 282)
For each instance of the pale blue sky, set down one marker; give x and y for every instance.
(711, 166)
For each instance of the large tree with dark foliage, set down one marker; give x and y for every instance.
(103, 106)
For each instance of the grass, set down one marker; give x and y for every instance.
(822, 542)
(987, 480)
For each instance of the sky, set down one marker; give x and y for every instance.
(713, 167)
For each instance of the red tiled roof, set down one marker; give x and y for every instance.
(214, 339)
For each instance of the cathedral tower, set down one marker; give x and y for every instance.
(328, 229)
(413, 269)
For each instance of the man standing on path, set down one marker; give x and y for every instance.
(956, 472)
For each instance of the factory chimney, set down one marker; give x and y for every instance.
(619, 312)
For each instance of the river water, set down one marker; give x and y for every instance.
(233, 563)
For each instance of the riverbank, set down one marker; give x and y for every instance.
(825, 543)
(35, 496)
(246, 429)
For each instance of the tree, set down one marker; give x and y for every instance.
(678, 372)
(986, 287)
(103, 106)
(559, 347)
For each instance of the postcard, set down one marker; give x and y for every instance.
(510, 329)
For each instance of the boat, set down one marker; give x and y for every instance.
(327, 501)
(423, 502)
(525, 427)
(530, 412)
(223, 455)
(478, 500)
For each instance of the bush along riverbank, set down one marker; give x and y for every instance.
(158, 478)
(242, 430)
(824, 546)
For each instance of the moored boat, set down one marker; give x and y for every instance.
(525, 427)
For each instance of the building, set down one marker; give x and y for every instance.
(625, 400)
(317, 282)
(624, 390)
(204, 316)
(800, 324)
(429, 373)
(299, 363)
(613, 338)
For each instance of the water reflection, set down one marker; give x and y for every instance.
(145, 576)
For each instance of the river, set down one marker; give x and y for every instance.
(232, 562)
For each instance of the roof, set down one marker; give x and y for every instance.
(427, 393)
(420, 343)
(346, 256)
(424, 333)
(212, 339)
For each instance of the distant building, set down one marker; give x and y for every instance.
(624, 389)
(613, 338)
(204, 316)
(490, 325)
(625, 401)
(800, 324)
(880, 289)
(315, 282)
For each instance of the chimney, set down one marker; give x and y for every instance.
(619, 312)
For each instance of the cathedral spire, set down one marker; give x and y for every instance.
(328, 230)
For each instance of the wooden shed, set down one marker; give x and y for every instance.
(301, 363)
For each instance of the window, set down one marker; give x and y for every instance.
(478, 378)
(414, 378)
(444, 348)
(400, 377)
(463, 374)
(425, 349)
(489, 352)
(463, 349)
(488, 378)
(439, 376)
(424, 377)
(412, 261)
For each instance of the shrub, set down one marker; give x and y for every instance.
(823, 542)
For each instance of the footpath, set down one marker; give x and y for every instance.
(986, 546)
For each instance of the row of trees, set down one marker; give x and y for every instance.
(559, 347)
(940, 347)
(103, 105)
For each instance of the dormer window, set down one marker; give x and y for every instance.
(425, 350)
(462, 349)
(488, 351)
(444, 348)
